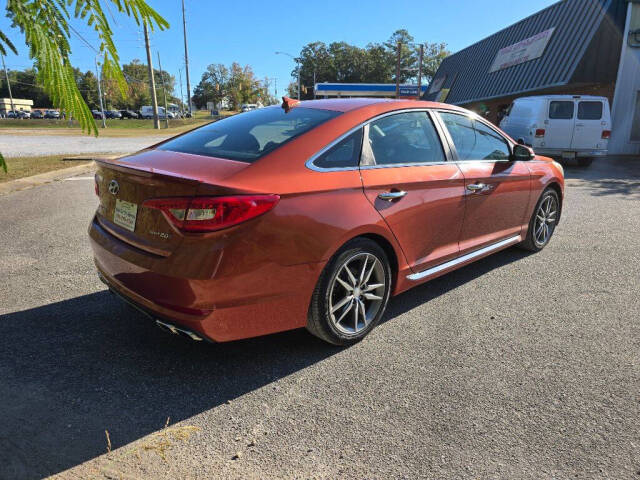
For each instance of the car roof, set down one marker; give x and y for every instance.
(380, 104)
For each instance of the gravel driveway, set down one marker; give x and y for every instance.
(35, 145)
(517, 366)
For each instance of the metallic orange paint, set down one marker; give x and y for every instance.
(257, 277)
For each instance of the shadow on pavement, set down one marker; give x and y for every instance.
(607, 176)
(76, 368)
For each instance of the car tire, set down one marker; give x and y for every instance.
(336, 315)
(585, 162)
(543, 221)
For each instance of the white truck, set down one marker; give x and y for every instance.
(565, 127)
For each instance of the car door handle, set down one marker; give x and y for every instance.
(390, 196)
(476, 187)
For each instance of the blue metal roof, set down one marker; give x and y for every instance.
(467, 71)
(363, 87)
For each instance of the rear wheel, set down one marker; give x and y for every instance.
(352, 293)
(543, 222)
(585, 162)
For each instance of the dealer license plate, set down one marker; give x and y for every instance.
(125, 214)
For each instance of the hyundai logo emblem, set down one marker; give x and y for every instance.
(114, 188)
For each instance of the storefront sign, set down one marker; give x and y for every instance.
(523, 51)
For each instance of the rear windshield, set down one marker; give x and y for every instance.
(248, 136)
(589, 110)
(561, 110)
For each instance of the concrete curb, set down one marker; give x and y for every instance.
(47, 177)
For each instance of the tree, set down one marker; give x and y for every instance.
(45, 27)
(213, 86)
(375, 63)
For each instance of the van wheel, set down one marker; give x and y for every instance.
(585, 162)
(352, 293)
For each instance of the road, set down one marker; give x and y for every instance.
(22, 145)
(518, 366)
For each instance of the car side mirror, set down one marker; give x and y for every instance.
(522, 153)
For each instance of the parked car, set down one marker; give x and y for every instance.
(313, 214)
(52, 114)
(561, 126)
(247, 107)
(18, 114)
(113, 114)
(37, 114)
(97, 114)
(128, 114)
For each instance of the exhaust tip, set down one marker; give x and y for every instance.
(178, 331)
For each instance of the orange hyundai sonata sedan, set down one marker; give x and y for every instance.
(313, 214)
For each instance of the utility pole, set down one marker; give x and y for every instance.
(420, 71)
(275, 82)
(314, 82)
(104, 121)
(164, 90)
(398, 70)
(6, 75)
(181, 96)
(152, 82)
(186, 58)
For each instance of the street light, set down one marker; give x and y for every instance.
(298, 63)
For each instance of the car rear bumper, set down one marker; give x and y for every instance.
(268, 299)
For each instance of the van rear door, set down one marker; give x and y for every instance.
(560, 124)
(590, 123)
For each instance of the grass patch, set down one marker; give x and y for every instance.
(20, 167)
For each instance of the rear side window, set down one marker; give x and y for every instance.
(473, 139)
(251, 135)
(561, 110)
(344, 154)
(589, 110)
(404, 138)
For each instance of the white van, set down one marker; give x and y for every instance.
(561, 126)
(147, 112)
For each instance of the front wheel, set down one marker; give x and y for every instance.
(352, 293)
(543, 222)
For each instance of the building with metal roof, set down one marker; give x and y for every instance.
(580, 47)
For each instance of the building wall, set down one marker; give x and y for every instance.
(626, 104)
(18, 103)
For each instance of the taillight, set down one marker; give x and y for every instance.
(540, 132)
(207, 214)
(606, 134)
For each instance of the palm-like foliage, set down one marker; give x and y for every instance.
(46, 30)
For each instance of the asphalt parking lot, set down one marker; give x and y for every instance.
(518, 366)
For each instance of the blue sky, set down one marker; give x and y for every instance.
(249, 32)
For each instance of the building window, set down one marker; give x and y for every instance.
(635, 124)
(561, 110)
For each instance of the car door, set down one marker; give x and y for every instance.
(558, 130)
(589, 126)
(496, 189)
(407, 178)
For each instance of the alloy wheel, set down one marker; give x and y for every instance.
(545, 220)
(356, 293)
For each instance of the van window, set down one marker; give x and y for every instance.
(474, 140)
(248, 136)
(589, 110)
(561, 110)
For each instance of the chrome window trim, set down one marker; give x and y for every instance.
(445, 150)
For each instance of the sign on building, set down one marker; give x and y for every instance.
(523, 51)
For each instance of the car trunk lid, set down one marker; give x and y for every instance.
(123, 186)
